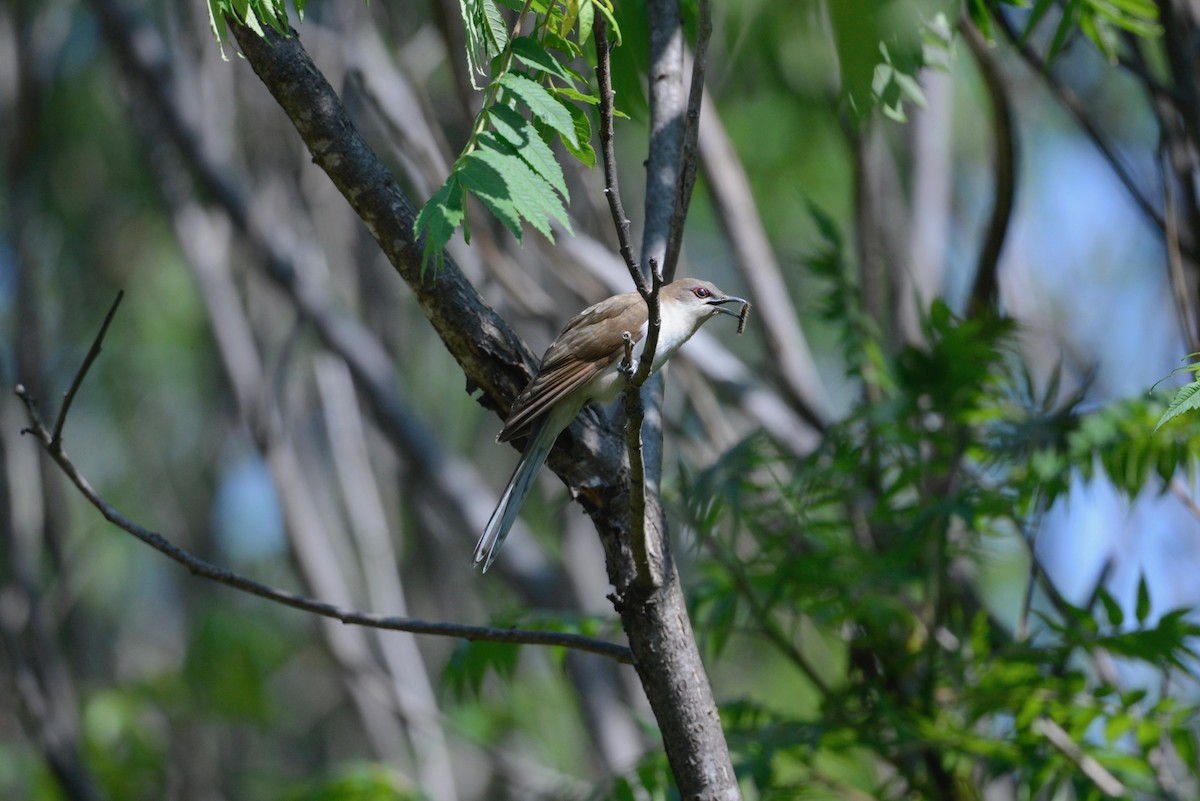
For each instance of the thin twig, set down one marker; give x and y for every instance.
(53, 445)
(611, 189)
(689, 155)
(653, 326)
(55, 442)
(635, 413)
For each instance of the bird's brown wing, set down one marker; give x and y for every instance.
(582, 351)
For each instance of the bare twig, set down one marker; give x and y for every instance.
(635, 413)
(627, 359)
(653, 326)
(56, 439)
(689, 155)
(611, 189)
(1180, 491)
(204, 569)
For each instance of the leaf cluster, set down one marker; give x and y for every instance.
(254, 14)
(535, 96)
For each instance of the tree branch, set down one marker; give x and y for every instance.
(635, 413)
(199, 567)
(689, 152)
(985, 291)
(612, 191)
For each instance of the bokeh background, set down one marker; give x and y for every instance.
(142, 155)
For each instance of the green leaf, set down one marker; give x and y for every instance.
(488, 184)
(356, 782)
(587, 16)
(471, 661)
(1112, 609)
(1142, 9)
(544, 106)
(910, 88)
(1100, 31)
(520, 189)
(1035, 17)
(216, 21)
(1187, 399)
(251, 20)
(530, 52)
(1070, 16)
(982, 17)
(1143, 601)
(497, 32)
(576, 95)
(553, 41)
(606, 10)
(583, 134)
(439, 219)
(519, 132)
(486, 34)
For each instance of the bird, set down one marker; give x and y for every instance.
(583, 364)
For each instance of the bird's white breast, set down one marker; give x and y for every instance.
(676, 329)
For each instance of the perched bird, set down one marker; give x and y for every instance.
(582, 364)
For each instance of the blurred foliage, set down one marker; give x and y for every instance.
(1101, 21)
(361, 782)
(868, 547)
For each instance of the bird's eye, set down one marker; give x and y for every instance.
(701, 292)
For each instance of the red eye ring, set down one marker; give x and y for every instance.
(701, 292)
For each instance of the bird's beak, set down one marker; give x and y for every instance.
(719, 304)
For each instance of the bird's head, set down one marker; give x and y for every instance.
(700, 299)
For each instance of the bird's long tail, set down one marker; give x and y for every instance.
(502, 519)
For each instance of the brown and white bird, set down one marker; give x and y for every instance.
(581, 365)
